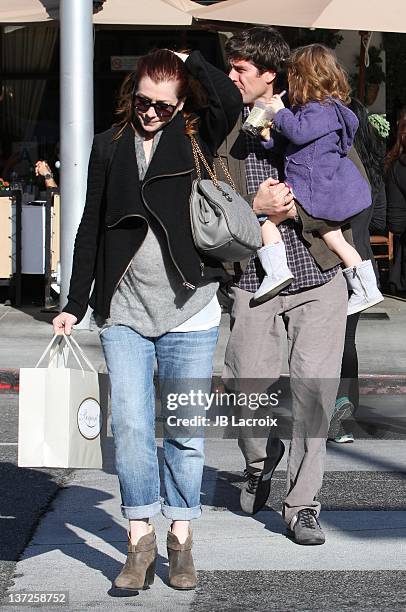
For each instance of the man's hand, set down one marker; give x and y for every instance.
(275, 200)
(292, 213)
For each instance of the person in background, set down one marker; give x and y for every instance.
(42, 169)
(395, 166)
(371, 152)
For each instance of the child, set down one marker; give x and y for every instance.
(327, 186)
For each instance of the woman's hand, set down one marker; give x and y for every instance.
(63, 323)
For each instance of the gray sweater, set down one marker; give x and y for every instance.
(150, 297)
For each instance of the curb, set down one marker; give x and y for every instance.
(382, 384)
(9, 380)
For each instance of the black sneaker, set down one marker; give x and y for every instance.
(306, 529)
(255, 491)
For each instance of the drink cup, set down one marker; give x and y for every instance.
(259, 118)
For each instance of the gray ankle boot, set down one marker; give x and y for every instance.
(278, 275)
(139, 570)
(361, 280)
(182, 573)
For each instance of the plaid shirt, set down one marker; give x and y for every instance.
(261, 164)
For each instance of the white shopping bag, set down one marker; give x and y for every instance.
(62, 411)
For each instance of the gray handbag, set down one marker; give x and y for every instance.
(224, 225)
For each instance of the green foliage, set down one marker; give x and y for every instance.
(380, 123)
(298, 37)
(374, 72)
(395, 47)
(329, 38)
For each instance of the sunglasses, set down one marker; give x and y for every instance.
(162, 109)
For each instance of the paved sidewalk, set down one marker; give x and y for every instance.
(80, 543)
(381, 339)
(244, 562)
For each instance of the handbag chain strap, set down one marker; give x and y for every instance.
(198, 155)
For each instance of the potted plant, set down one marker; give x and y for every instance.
(374, 75)
(4, 185)
(380, 123)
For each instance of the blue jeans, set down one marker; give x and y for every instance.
(130, 360)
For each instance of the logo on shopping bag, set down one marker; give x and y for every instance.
(90, 419)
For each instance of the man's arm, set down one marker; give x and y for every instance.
(275, 200)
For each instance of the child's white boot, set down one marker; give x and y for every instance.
(361, 280)
(277, 273)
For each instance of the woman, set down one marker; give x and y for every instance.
(395, 165)
(154, 294)
(371, 151)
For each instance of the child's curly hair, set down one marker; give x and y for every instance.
(315, 74)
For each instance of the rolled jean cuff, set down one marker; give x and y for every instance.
(140, 512)
(181, 514)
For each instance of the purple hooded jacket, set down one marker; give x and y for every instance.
(325, 182)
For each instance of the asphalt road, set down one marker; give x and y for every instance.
(300, 591)
(25, 493)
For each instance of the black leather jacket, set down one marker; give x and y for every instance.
(119, 205)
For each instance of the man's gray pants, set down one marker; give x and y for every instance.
(314, 323)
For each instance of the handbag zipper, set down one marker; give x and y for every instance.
(185, 283)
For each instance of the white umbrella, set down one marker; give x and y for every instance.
(132, 12)
(150, 12)
(370, 15)
(28, 11)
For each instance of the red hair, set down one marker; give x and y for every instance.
(160, 65)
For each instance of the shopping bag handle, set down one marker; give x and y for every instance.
(81, 352)
(48, 348)
(59, 338)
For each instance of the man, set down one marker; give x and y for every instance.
(310, 313)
